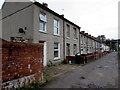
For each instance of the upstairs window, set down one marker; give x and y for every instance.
(68, 30)
(75, 33)
(81, 41)
(56, 27)
(74, 49)
(42, 25)
(43, 17)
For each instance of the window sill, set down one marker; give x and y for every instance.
(68, 37)
(56, 35)
(75, 39)
(55, 59)
(42, 31)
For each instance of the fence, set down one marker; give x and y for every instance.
(85, 58)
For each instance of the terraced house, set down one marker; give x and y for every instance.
(36, 23)
(89, 44)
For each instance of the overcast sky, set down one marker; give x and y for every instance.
(96, 17)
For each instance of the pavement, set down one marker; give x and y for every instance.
(102, 73)
(54, 71)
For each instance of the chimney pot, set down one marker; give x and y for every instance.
(45, 4)
(83, 31)
(62, 15)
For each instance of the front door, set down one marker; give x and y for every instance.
(45, 52)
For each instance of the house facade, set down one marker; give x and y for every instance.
(88, 43)
(36, 23)
(83, 43)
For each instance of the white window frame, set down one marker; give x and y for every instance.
(81, 41)
(57, 50)
(43, 21)
(58, 24)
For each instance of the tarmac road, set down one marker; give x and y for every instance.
(103, 73)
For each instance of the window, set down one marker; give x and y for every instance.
(56, 27)
(81, 41)
(75, 33)
(56, 50)
(81, 35)
(68, 30)
(42, 16)
(42, 25)
(67, 49)
(81, 49)
(93, 43)
(74, 49)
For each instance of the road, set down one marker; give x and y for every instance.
(103, 73)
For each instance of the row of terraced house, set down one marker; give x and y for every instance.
(34, 22)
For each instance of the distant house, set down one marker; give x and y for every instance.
(36, 23)
(88, 44)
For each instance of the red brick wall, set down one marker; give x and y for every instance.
(21, 60)
(0, 66)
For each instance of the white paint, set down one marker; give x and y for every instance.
(58, 52)
(29, 66)
(45, 53)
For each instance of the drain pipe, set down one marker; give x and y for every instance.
(79, 42)
(64, 39)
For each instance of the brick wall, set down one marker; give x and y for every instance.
(0, 66)
(22, 64)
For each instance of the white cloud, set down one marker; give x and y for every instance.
(104, 21)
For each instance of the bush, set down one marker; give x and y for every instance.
(65, 61)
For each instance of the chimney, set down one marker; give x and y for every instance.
(45, 4)
(62, 15)
(83, 31)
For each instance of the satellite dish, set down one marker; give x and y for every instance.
(21, 30)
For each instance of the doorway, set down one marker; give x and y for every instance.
(67, 49)
(45, 52)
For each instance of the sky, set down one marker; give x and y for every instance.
(96, 17)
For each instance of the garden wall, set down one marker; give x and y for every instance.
(22, 64)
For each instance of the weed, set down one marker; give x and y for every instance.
(51, 65)
(36, 84)
(46, 80)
